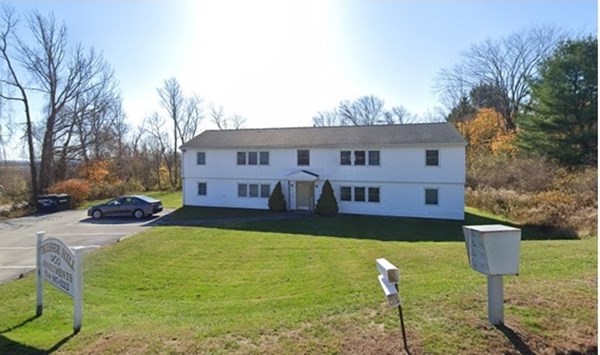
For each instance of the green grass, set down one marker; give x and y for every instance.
(307, 286)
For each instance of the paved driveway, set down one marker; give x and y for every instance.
(75, 228)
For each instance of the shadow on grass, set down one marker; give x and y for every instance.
(9, 346)
(515, 339)
(345, 226)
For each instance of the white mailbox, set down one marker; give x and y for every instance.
(493, 249)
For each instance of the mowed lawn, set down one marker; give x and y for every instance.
(284, 287)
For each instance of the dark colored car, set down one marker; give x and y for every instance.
(137, 206)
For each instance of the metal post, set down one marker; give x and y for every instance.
(39, 282)
(402, 323)
(78, 296)
(495, 299)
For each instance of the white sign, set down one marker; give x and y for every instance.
(58, 265)
(388, 280)
(390, 292)
(388, 270)
(62, 267)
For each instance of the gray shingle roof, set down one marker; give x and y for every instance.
(329, 137)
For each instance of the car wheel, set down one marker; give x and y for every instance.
(97, 214)
(138, 214)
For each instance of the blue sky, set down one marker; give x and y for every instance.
(279, 62)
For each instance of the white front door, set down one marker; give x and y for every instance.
(304, 195)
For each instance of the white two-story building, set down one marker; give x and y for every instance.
(415, 170)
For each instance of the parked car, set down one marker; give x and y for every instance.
(137, 206)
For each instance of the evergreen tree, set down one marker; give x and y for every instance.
(327, 204)
(277, 200)
(564, 120)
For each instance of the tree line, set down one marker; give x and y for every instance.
(532, 92)
(63, 101)
(535, 91)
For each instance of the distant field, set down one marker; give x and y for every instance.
(308, 287)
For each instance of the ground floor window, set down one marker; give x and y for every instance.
(361, 193)
(431, 196)
(254, 190)
(373, 194)
(346, 193)
(201, 189)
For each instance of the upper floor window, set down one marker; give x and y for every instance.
(373, 157)
(359, 157)
(303, 157)
(432, 157)
(346, 157)
(252, 158)
(201, 158)
(241, 158)
(264, 158)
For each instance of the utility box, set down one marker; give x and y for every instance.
(493, 249)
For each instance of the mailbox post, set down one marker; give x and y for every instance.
(389, 277)
(494, 250)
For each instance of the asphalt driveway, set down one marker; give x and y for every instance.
(74, 228)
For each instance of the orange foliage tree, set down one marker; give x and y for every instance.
(95, 172)
(78, 189)
(485, 132)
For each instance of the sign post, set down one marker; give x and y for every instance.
(494, 250)
(389, 277)
(62, 267)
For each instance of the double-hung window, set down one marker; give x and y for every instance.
(359, 157)
(303, 157)
(373, 157)
(264, 158)
(431, 197)
(346, 157)
(241, 158)
(201, 189)
(432, 157)
(346, 193)
(201, 158)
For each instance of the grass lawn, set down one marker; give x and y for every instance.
(309, 286)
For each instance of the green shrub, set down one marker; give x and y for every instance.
(327, 204)
(277, 200)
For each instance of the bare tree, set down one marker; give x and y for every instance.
(217, 115)
(193, 115)
(154, 126)
(237, 121)
(364, 111)
(13, 88)
(172, 100)
(326, 119)
(398, 115)
(507, 65)
(60, 76)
